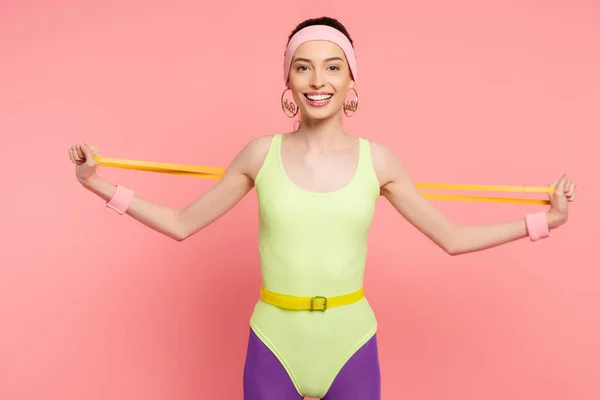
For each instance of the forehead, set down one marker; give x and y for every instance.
(319, 50)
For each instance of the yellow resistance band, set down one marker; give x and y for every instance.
(216, 173)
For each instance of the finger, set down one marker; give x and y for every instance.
(572, 195)
(560, 186)
(80, 153)
(89, 156)
(94, 149)
(71, 155)
(570, 188)
(74, 152)
(78, 160)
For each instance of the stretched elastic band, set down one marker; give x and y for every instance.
(537, 225)
(121, 200)
(217, 173)
(318, 32)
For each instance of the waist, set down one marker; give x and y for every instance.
(311, 276)
(309, 303)
(355, 320)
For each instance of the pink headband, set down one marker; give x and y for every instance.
(318, 32)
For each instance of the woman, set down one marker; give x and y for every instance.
(313, 332)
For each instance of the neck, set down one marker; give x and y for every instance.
(322, 133)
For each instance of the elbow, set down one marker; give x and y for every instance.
(176, 235)
(180, 231)
(449, 246)
(453, 250)
(179, 238)
(453, 245)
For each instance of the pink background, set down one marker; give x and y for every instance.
(95, 306)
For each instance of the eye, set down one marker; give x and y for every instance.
(302, 68)
(335, 68)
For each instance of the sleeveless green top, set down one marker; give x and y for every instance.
(314, 244)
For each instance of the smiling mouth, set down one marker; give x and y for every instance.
(318, 99)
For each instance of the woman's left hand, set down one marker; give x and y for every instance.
(564, 192)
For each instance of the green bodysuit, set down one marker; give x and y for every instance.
(314, 244)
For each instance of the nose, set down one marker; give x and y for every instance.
(316, 81)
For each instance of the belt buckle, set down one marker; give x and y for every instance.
(312, 303)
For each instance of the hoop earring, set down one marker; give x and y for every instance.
(290, 109)
(351, 106)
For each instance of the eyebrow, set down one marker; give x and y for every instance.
(329, 59)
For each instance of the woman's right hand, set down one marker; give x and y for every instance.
(82, 156)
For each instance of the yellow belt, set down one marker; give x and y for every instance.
(216, 173)
(315, 303)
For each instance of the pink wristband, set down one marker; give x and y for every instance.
(537, 225)
(121, 200)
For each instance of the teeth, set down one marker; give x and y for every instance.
(319, 97)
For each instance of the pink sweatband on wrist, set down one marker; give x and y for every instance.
(318, 32)
(121, 200)
(537, 225)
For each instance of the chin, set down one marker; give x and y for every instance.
(319, 116)
(321, 113)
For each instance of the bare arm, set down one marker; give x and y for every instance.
(399, 189)
(181, 223)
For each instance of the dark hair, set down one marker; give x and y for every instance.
(332, 22)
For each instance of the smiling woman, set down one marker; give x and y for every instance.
(318, 71)
(313, 332)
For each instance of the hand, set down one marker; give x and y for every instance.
(564, 192)
(82, 156)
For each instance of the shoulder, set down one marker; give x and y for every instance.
(385, 163)
(252, 156)
(379, 151)
(258, 147)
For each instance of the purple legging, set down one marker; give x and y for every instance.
(266, 379)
